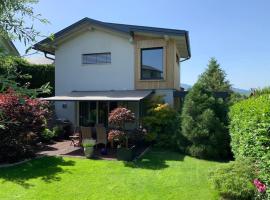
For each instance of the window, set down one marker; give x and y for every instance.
(96, 58)
(152, 63)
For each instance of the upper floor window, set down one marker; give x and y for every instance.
(152, 63)
(96, 58)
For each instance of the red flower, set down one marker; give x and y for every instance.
(259, 185)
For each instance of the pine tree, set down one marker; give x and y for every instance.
(204, 116)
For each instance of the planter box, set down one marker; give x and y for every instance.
(126, 154)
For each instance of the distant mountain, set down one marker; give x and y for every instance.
(239, 90)
(185, 86)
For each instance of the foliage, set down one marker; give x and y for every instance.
(88, 143)
(162, 124)
(234, 180)
(204, 116)
(250, 133)
(26, 75)
(17, 18)
(57, 131)
(47, 134)
(23, 120)
(258, 92)
(118, 118)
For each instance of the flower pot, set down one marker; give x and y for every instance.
(126, 154)
(88, 152)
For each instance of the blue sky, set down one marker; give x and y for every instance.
(236, 33)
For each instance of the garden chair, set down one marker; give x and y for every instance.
(101, 135)
(86, 133)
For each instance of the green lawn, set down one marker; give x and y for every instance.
(159, 175)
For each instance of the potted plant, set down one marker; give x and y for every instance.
(88, 147)
(118, 118)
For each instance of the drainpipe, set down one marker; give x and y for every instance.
(46, 56)
(185, 59)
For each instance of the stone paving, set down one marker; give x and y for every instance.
(61, 148)
(64, 148)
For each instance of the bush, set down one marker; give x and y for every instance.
(38, 75)
(162, 124)
(205, 116)
(233, 181)
(118, 118)
(47, 135)
(250, 133)
(58, 131)
(23, 121)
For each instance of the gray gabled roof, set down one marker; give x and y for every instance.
(123, 28)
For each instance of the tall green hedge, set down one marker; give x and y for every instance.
(40, 74)
(250, 133)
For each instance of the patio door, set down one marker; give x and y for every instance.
(87, 113)
(95, 112)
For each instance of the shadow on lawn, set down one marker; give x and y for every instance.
(155, 160)
(46, 168)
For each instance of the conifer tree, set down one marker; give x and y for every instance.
(204, 115)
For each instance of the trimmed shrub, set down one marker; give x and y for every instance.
(162, 124)
(250, 133)
(233, 181)
(38, 75)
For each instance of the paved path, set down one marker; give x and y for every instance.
(62, 148)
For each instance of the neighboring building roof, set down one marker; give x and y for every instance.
(112, 95)
(121, 28)
(39, 60)
(8, 46)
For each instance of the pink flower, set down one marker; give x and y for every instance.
(259, 185)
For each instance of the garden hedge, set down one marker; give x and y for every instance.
(250, 133)
(40, 74)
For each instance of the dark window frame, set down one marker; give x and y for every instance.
(152, 48)
(97, 61)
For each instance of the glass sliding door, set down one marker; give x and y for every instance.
(95, 112)
(103, 113)
(87, 113)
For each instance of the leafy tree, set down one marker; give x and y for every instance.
(205, 116)
(118, 118)
(17, 18)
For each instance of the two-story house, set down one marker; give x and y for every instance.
(100, 65)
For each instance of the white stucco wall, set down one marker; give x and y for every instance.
(71, 74)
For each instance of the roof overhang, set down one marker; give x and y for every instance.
(113, 95)
(49, 45)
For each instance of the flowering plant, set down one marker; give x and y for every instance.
(259, 185)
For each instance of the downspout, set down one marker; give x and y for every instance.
(46, 56)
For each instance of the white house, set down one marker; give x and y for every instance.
(100, 65)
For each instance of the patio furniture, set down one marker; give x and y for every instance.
(86, 133)
(101, 134)
(75, 138)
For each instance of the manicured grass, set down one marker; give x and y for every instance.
(159, 175)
